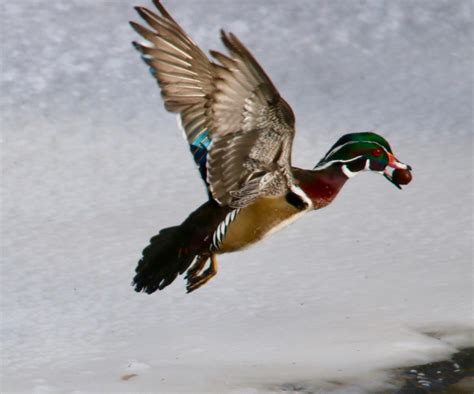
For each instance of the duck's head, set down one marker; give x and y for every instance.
(368, 151)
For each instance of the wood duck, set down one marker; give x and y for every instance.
(240, 132)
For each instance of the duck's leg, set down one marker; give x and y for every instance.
(197, 280)
(197, 267)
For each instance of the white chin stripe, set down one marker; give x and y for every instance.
(348, 173)
(388, 171)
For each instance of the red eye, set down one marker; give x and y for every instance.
(377, 152)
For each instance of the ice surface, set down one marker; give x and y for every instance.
(93, 167)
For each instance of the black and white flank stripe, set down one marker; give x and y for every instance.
(219, 234)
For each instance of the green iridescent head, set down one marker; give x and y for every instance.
(367, 151)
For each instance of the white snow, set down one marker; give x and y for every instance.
(92, 167)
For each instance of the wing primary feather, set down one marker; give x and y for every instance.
(167, 30)
(156, 39)
(225, 60)
(144, 32)
(162, 10)
(234, 45)
(167, 16)
(172, 76)
(161, 54)
(172, 45)
(148, 16)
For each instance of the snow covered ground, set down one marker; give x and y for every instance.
(93, 167)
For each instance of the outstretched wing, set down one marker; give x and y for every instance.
(239, 129)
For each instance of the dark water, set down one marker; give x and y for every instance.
(451, 376)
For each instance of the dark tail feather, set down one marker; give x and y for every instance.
(172, 251)
(162, 261)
